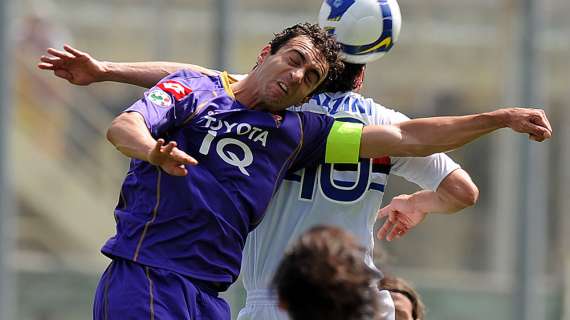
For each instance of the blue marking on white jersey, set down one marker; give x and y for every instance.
(351, 120)
(373, 185)
(377, 186)
(346, 103)
(293, 177)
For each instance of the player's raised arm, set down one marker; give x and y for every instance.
(130, 135)
(80, 68)
(422, 137)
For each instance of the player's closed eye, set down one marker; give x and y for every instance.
(311, 78)
(294, 62)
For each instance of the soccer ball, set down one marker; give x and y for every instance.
(365, 29)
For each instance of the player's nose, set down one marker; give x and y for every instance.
(297, 75)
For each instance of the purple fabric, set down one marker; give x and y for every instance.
(128, 290)
(197, 225)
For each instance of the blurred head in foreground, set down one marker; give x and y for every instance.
(407, 301)
(324, 276)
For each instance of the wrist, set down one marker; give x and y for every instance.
(106, 71)
(425, 201)
(499, 118)
(417, 199)
(148, 152)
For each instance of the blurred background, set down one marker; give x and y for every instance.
(508, 257)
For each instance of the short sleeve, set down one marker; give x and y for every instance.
(169, 103)
(426, 172)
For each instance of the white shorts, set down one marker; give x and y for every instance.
(263, 305)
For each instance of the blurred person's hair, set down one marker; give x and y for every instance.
(323, 42)
(324, 276)
(401, 286)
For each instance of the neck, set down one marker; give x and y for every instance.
(246, 92)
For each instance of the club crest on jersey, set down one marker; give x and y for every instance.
(177, 89)
(277, 118)
(160, 98)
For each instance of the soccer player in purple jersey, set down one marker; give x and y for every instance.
(180, 235)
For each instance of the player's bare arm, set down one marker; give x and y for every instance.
(422, 137)
(129, 134)
(456, 192)
(80, 68)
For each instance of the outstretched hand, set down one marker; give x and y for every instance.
(402, 215)
(75, 66)
(531, 121)
(171, 159)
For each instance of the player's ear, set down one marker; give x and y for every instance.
(359, 80)
(263, 54)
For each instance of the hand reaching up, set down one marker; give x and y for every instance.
(75, 66)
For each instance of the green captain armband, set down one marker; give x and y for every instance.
(343, 143)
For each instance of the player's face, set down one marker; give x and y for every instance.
(403, 306)
(291, 74)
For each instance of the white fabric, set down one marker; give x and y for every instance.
(293, 210)
(262, 304)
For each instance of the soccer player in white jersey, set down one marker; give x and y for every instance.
(348, 196)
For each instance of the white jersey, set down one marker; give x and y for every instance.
(348, 196)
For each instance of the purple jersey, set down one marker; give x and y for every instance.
(196, 225)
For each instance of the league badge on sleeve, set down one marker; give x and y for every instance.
(177, 89)
(160, 98)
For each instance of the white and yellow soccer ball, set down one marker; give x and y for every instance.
(365, 29)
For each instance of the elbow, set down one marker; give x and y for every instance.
(471, 196)
(458, 191)
(468, 197)
(475, 196)
(114, 130)
(111, 133)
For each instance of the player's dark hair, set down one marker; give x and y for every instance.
(324, 276)
(399, 285)
(346, 81)
(323, 42)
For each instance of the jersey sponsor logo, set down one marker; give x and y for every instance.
(177, 89)
(160, 98)
(223, 149)
(232, 151)
(252, 133)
